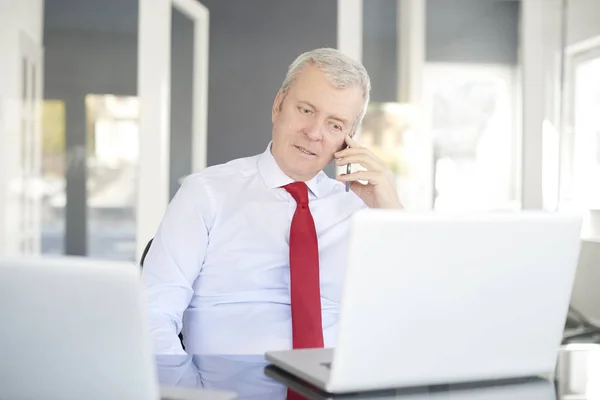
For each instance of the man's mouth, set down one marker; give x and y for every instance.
(303, 150)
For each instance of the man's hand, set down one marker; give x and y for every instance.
(380, 190)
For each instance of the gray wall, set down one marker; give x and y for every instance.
(182, 77)
(380, 48)
(82, 60)
(91, 47)
(477, 31)
(89, 62)
(78, 63)
(251, 45)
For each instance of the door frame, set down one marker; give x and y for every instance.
(154, 91)
(30, 74)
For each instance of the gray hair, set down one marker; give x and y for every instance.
(342, 71)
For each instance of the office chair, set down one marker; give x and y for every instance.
(144, 253)
(578, 329)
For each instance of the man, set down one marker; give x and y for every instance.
(249, 256)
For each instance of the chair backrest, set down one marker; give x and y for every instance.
(142, 265)
(145, 252)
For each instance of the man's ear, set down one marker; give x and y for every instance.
(276, 105)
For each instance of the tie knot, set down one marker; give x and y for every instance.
(299, 192)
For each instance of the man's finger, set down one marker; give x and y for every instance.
(363, 153)
(351, 142)
(370, 163)
(352, 151)
(368, 176)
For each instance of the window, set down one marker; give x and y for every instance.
(580, 147)
(471, 117)
(112, 164)
(586, 135)
(53, 177)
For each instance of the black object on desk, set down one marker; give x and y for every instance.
(578, 329)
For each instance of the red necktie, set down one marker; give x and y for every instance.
(307, 329)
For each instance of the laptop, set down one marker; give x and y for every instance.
(513, 389)
(73, 327)
(438, 298)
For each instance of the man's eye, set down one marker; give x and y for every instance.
(305, 110)
(336, 127)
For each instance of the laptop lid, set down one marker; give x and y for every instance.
(73, 328)
(438, 298)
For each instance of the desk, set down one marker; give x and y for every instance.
(577, 377)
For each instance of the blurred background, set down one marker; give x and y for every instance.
(106, 105)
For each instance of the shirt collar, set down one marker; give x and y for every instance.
(274, 177)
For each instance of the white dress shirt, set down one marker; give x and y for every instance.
(218, 267)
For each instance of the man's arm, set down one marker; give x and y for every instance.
(173, 264)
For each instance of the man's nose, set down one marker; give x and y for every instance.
(315, 130)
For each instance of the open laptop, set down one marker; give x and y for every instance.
(508, 389)
(434, 298)
(75, 328)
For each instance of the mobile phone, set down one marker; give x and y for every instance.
(347, 170)
(347, 182)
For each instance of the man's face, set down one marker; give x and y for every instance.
(310, 123)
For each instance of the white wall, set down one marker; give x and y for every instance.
(583, 21)
(24, 16)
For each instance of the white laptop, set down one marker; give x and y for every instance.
(512, 389)
(432, 298)
(75, 328)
